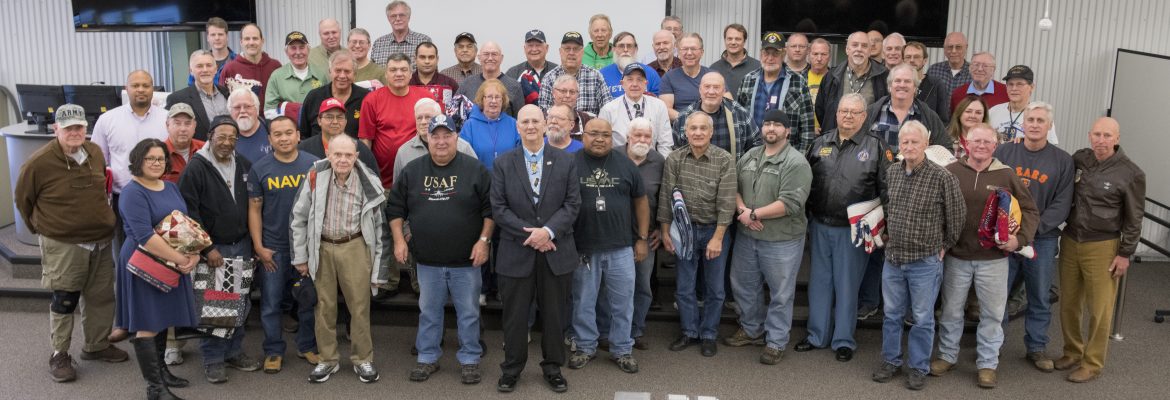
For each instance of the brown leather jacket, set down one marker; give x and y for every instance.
(1108, 200)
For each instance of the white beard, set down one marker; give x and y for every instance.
(640, 149)
(556, 134)
(623, 61)
(245, 123)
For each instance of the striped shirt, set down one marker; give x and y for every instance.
(343, 208)
(707, 184)
(386, 45)
(925, 213)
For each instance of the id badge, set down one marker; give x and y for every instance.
(600, 204)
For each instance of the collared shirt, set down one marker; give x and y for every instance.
(925, 213)
(675, 62)
(620, 111)
(343, 207)
(733, 74)
(942, 72)
(592, 90)
(119, 130)
(534, 164)
(215, 103)
(386, 45)
(179, 160)
(459, 74)
(284, 85)
(707, 183)
(765, 179)
(887, 125)
(989, 90)
(747, 135)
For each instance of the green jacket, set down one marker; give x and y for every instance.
(764, 179)
(596, 61)
(284, 86)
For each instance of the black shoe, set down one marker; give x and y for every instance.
(160, 346)
(709, 348)
(557, 382)
(803, 346)
(507, 383)
(682, 343)
(844, 354)
(148, 364)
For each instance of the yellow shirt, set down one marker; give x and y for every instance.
(814, 86)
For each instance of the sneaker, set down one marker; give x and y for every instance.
(310, 356)
(866, 312)
(215, 373)
(1041, 361)
(173, 356)
(482, 300)
(469, 374)
(571, 343)
(579, 359)
(886, 372)
(940, 367)
(627, 363)
(243, 363)
(915, 380)
(110, 354)
(422, 371)
(322, 372)
(61, 367)
(366, 372)
(771, 356)
(741, 338)
(272, 364)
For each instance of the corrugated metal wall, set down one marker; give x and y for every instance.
(708, 18)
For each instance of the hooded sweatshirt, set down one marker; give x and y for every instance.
(490, 137)
(249, 70)
(976, 187)
(222, 210)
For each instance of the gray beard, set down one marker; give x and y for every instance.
(245, 123)
(640, 149)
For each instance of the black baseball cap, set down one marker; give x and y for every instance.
(573, 37)
(295, 36)
(465, 35)
(773, 40)
(1020, 72)
(535, 34)
(634, 66)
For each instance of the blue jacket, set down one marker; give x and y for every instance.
(490, 138)
(613, 79)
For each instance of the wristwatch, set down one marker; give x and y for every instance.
(753, 215)
(642, 237)
(485, 239)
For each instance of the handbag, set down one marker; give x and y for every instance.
(161, 274)
(221, 295)
(183, 233)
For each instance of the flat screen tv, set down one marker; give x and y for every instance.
(920, 20)
(159, 15)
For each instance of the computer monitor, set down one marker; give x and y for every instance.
(38, 102)
(95, 99)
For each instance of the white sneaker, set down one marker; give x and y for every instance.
(482, 300)
(173, 356)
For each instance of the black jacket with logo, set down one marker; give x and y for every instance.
(845, 172)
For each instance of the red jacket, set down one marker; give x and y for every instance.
(178, 163)
(247, 69)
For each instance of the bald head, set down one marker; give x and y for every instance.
(1104, 137)
(531, 126)
(342, 155)
(140, 89)
(663, 45)
(955, 49)
(490, 57)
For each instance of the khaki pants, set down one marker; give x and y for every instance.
(346, 267)
(71, 268)
(1085, 281)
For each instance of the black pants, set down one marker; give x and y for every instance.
(551, 293)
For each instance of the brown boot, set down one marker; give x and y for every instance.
(1082, 375)
(987, 378)
(1066, 363)
(940, 367)
(61, 367)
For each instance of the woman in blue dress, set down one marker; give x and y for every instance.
(143, 309)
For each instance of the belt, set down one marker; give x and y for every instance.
(341, 240)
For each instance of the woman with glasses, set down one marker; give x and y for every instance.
(490, 131)
(143, 309)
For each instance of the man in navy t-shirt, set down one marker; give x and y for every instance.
(272, 188)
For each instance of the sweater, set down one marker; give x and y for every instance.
(976, 187)
(63, 200)
(222, 210)
(1048, 175)
(259, 72)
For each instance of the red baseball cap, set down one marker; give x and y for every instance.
(330, 104)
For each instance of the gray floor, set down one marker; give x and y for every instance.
(1136, 368)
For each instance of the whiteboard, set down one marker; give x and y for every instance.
(506, 21)
(1140, 108)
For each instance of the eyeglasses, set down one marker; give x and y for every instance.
(955, 47)
(332, 117)
(982, 66)
(626, 46)
(567, 91)
(981, 142)
(850, 113)
(494, 97)
(221, 139)
(399, 16)
(490, 55)
(599, 133)
(154, 160)
(689, 49)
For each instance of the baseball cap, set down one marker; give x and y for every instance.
(180, 108)
(70, 115)
(330, 104)
(535, 34)
(295, 36)
(1021, 72)
(573, 37)
(465, 35)
(777, 115)
(222, 120)
(634, 66)
(440, 121)
(773, 40)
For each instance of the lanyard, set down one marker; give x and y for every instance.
(637, 108)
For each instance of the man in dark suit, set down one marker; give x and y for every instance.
(207, 99)
(534, 201)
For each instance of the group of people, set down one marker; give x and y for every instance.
(555, 186)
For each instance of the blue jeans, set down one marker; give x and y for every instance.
(610, 271)
(754, 264)
(871, 284)
(1038, 275)
(643, 295)
(694, 324)
(273, 294)
(462, 285)
(216, 350)
(834, 278)
(989, 277)
(915, 284)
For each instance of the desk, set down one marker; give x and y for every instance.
(20, 146)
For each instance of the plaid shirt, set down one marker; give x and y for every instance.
(886, 126)
(942, 72)
(382, 48)
(925, 213)
(746, 134)
(798, 104)
(593, 92)
(707, 183)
